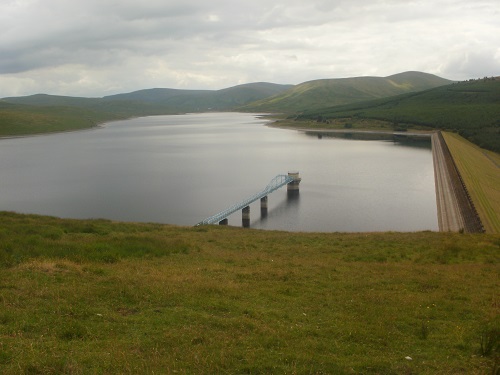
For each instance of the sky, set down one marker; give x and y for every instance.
(95, 48)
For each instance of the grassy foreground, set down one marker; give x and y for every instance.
(480, 170)
(86, 297)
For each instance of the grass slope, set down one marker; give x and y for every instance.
(330, 92)
(87, 297)
(480, 170)
(470, 108)
(19, 120)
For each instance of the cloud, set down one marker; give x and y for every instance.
(94, 48)
(474, 64)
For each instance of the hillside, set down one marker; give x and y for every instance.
(160, 99)
(471, 108)
(203, 100)
(332, 92)
(149, 298)
(18, 120)
(43, 113)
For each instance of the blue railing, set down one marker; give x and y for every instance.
(276, 183)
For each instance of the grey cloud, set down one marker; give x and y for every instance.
(473, 64)
(202, 44)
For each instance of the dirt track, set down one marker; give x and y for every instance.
(456, 211)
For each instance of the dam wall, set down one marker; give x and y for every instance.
(456, 211)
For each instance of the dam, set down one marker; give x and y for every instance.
(456, 211)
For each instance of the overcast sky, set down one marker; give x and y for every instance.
(101, 47)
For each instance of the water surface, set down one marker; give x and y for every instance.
(182, 169)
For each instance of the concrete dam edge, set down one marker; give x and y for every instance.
(455, 209)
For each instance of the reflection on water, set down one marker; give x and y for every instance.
(183, 169)
(406, 139)
(289, 207)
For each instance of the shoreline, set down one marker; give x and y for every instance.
(97, 125)
(94, 127)
(359, 131)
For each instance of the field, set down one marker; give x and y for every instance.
(480, 170)
(86, 297)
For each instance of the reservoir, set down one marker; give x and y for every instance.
(182, 169)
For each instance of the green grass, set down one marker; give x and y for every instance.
(85, 297)
(480, 170)
(19, 120)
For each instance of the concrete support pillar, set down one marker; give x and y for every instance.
(245, 217)
(263, 206)
(293, 187)
(224, 221)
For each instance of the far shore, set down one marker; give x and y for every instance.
(270, 122)
(361, 131)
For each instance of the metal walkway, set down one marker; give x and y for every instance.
(276, 183)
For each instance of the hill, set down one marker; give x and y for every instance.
(149, 298)
(160, 100)
(18, 120)
(331, 92)
(203, 100)
(43, 113)
(470, 108)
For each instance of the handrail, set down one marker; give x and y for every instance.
(277, 182)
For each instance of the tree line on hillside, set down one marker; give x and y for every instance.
(470, 108)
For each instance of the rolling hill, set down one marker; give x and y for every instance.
(43, 113)
(19, 120)
(407, 98)
(203, 100)
(331, 92)
(471, 108)
(160, 100)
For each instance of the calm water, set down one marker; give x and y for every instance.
(182, 169)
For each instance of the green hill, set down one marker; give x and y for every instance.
(43, 113)
(203, 100)
(18, 120)
(45, 100)
(330, 92)
(471, 108)
(160, 100)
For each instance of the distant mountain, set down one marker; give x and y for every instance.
(43, 113)
(52, 100)
(331, 92)
(40, 113)
(204, 100)
(160, 100)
